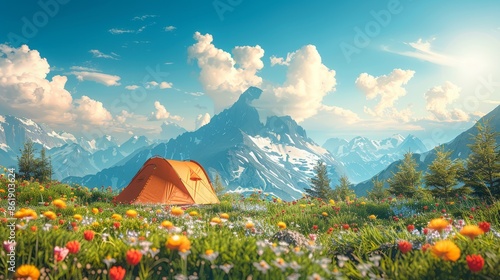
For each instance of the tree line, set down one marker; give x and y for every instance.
(478, 175)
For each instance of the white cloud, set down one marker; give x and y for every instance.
(308, 80)
(223, 76)
(161, 113)
(151, 84)
(116, 31)
(83, 68)
(99, 54)
(170, 28)
(164, 85)
(27, 92)
(388, 88)
(201, 120)
(144, 17)
(423, 50)
(105, 79)
(439, 98)
(280, 60)
(132, 87)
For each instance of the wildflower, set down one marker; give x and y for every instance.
(133, 257)
(131, 213)
(59, 203)
(215, 221)
(185, 244)
(108, 261)
(249, 225)
(280, 263)
(405, 246)
(116, 225)
(27, 271)
(426, 247)
(95, 211)
(176, 211)
(485, 226)
(224, 216)
(116, 217)
(78, 217)
(282, 225)
(178, 242)
(438, 224)
(342, 259)
(210, 255)
(49, 215)
(475, 262)
(9, 246)
(471, 231)
(117, 273)
(60, 253)
(226, 267)
(345, 226)
(193, 214)
(446, 250)
(372, 217)
(33, 228)
(73, 246)
(375, 259)
(324, 214)
(262, 266)
(88, 235)
(315, 276)
(410, 228)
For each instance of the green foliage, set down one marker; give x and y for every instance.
(406, 181)
(378, 192)
(218, 187)
(483, 164)
(320, 183)
(343, 191)
(31, 167)
(443, 174)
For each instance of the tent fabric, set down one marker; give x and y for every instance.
(162, 181)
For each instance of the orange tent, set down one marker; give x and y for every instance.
(162, 181)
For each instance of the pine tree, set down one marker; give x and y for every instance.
(43, 170)
(219, 188)
(443, 174)
(343, 190)
(483, 164)
(378, 192)
(320, 183)
(27, 162)
(407, 180)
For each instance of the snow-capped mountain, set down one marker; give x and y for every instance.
(71, 159)
(364, 157)
(133, 144)
(170, 130)
(459, 148)
(276, 157)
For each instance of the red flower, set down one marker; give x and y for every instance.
(405, 246)
(426, 231)
(426, 247)
(133, 257)
(73, 246)
(315, 227)
(410, 228)
(475, 262)
(345, 226)
(116, 225)
(117, 273)
(485, 226)
(88, 235)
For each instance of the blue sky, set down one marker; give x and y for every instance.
(369, 68)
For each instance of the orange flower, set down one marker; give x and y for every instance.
(33, 228)
(173, 242)
(26, 271)
(224, 216)
(116, 217)
(471, 231)
(185, 244)
(249, 225)
(282, 225)
(73, 246)
(131, 213)
(167, 224)
(215, 220)
(405, 246)
(475, 262)
(438, 224)
(426, 247)
(176, 211)
(193, 214)
(117, 273)
(24, 213)
(95, 211)
(446, 250)
(372, 217)
(78, 217)
(59, 203)
(49, 215)
(133, 257)
(88, 235)
(324, 214)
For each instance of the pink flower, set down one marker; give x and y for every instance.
(60, 253)
(313, 237)
(9, 246)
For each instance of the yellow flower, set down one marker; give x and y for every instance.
(193, 214)
(59, 203)
(26, 271)
(302, 206)
(209, 252)
(224, 216)
(332, 202)
(2, 190)
(446, 250)
(176, 211)
(372, 217)
(167, 224)
(249, 225)
(24, 213)
(158, 211)
(282, 225)
(95, 211)
(216, 220)
(363, 203)
(50, 215)
(95, 224)
(116, 217)
(324, 214)
(471, 231)
(438, 224)
(131, 213)
(78, 217)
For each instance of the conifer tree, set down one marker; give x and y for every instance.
(378, 192)
(443, 174)
(320, 183)
(219, 188)
(343, 190)
(407, 180)
(27, 162)
(43, 170)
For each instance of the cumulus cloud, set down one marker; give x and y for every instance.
(161, 113)
(105, 79)
(280, 60)
(201, 120)
(99, 54)
(26, 91)
(224, 76)
(170, 28)
(132, 87)
(164, 85)
(439, 98)
(388, 88)
(308, 80)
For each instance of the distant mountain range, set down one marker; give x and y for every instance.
(364, 158)
(458, 147)
(276, 157)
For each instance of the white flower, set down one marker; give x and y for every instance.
(226, 267)
(262, 266)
